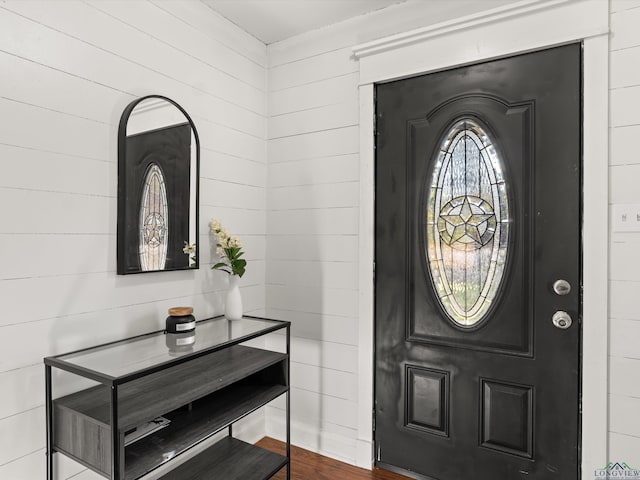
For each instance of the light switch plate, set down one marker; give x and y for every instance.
(625, 218)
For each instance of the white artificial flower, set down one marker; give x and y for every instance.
(214, 225)
(222, 235)
(189, 248)
(235, 242)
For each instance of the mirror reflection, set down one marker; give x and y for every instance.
(158, 158)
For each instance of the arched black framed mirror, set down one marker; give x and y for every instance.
(158, 194)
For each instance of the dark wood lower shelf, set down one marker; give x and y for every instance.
(191, 426)
(229, 459)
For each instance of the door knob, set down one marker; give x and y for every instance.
(562, 319)
(561, 287)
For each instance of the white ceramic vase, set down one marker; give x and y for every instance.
(233, 305)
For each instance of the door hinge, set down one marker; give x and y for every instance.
(377, 124)
(375, 129)
(373, 419)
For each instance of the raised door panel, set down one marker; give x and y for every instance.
(503, 322)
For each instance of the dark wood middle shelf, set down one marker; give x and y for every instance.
(143, 399)
(229, 459)
(190, 426)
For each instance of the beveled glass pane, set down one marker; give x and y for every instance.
(432, 198)
(439, 162)
(496, 163)
(467, 223)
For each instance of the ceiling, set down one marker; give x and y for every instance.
(274, 20)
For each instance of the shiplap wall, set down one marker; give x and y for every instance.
(313, 215)
(624, 260)
(67, 70)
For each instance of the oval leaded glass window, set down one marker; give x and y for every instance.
(154, 216)
(467, 223)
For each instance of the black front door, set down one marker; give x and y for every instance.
(477, 361)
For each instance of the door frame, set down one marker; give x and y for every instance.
(496, 33)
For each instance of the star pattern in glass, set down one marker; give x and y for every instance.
(467, 227)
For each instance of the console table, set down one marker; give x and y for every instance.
(202, 383)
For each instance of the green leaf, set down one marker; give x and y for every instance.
(240, 271)
(220, 265)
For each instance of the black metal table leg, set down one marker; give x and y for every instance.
(288, 402)
(48, 411)
(115, 450)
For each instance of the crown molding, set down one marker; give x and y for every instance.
(420, 34)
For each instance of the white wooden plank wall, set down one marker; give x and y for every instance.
(313, 215)
(312, 228)
(624, 261)
(68, 70)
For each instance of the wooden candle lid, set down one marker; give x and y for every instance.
(180, 311)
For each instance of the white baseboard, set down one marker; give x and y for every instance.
(364, 454)
(250, 429)
(338, 447)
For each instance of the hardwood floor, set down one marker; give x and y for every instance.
(306, 465)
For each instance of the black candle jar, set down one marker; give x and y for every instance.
(181, 320)
(180, 343)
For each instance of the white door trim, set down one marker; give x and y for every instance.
(521, 27)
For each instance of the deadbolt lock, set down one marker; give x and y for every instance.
(562, 319)
(561, 287)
